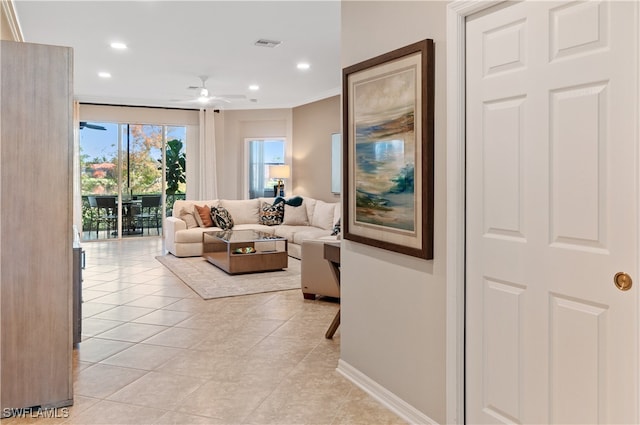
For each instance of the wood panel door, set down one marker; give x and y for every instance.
(552, 213)
(35, 226)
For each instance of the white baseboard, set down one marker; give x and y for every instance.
(384, 396)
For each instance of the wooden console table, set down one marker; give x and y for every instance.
(332, 255)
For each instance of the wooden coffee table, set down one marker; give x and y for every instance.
(245, 251)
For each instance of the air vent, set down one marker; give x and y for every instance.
(267, 43)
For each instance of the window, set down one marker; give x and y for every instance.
(125, 161)
(261, 154)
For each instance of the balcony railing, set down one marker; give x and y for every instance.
(100, 223)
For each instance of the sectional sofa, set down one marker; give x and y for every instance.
(313, 219)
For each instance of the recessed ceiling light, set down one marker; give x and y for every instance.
(303, 65)
(118, 46)
(254, 87)
(104, 74)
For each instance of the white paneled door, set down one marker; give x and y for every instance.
(552, 213)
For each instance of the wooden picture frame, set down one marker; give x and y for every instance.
(388, 167)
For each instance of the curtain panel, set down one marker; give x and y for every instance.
(208, 183)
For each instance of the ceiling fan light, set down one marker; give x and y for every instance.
(204, 92)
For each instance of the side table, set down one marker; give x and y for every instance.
(332, 255)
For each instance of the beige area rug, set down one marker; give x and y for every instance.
(210, 282)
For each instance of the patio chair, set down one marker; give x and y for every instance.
(93, 213)
(107, 213)
(150, 212)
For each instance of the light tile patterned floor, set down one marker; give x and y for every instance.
(154, 352)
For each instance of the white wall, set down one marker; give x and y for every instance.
(393, 306)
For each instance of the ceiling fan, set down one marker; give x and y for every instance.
(206, 98)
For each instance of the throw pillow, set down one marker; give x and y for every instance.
(271, 215)
(336, 228)
(323, 215)
(296, 201)
(186, 215)
(222, 218)
(197, 217)
(244, 211)
(295, 216)
(204, 213)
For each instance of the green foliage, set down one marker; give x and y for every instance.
(176, 166)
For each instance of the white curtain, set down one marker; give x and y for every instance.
(208, 183)
(256, 169)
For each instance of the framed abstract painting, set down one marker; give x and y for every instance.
(388, 175)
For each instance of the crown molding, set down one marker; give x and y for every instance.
(9, 11)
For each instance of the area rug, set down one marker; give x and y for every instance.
(210, 282)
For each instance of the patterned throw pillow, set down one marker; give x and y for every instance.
(271, 215)
(221, 218)
(336, 228)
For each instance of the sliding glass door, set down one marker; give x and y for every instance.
(123, 177)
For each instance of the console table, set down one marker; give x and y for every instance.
(332, 255)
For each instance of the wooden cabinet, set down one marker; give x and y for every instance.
(36, 137)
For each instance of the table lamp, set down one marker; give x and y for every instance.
(280, 172)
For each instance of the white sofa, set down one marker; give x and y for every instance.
(184, 242)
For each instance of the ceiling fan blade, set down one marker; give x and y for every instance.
(221, 98)
(233, 96)
(84, 124)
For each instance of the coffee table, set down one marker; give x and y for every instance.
(245, 251)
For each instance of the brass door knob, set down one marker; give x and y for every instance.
(623, 281)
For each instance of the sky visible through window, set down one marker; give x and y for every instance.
(274, 151)
(99, 143)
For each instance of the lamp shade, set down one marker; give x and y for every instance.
(279, 171)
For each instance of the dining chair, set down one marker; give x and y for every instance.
(107, 213)
(93, 213)
(150, 212)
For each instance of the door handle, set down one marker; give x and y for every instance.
(623, 281)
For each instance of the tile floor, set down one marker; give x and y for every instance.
(154, 352)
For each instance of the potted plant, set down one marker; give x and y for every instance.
(176, 167)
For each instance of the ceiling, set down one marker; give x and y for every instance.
(172, 43)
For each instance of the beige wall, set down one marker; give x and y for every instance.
(238, 126)
(393, 305)
(313, 125)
